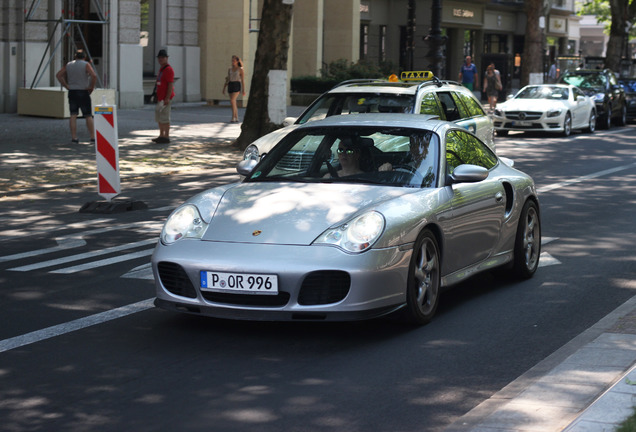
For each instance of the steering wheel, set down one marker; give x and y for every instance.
(405, 168)
(332, 171)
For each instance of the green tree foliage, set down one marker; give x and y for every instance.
(619, 16)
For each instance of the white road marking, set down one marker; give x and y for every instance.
(142, 272)
(545, 259)
(82, 256)
(104, 262)
(584, 178)
(60, 329)
(77, 239)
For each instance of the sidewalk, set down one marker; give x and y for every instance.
(586, 386)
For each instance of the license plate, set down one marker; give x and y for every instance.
(522, 123)
(244, 283)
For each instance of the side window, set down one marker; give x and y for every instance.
(472, 105)
(577, 93)
(430, 105)
(463, 111)
(464, 148)
(449, 106)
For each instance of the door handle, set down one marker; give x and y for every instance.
(499, 197)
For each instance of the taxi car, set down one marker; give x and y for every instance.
(348, 218)
(555, 108)
(416, 92)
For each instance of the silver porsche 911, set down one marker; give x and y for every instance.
(350, 217)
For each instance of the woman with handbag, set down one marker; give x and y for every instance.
(492, 85)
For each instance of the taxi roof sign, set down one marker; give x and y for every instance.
(416, 75)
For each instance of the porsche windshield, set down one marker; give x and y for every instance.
(384, 155)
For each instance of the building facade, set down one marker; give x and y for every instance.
(123, 37)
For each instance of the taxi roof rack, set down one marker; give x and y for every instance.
(360, 81)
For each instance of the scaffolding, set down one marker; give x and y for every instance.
(66, 26)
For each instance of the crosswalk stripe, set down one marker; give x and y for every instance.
(60, 329)
(104, 262)
(64, 260)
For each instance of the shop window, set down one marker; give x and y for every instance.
(364, 41)
(382, 43)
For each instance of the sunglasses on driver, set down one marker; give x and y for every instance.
(348, 151)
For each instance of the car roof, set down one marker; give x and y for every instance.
(399, 87)
(398, 120)
(586, 71)
(551, 85)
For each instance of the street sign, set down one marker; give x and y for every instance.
(107, 151)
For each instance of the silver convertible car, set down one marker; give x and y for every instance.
(350, 217)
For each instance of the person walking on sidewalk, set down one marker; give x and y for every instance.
(468, 75)
(235, 84)
(492, 85)
(79, 78)
(165, 93)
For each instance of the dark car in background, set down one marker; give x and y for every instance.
(602, 86)
(629, 85)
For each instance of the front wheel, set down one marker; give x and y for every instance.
(607, 118)
(527, 242)
(424, 278)
(591, 126)
(567, 125)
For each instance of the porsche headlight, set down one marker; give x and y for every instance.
(554, 113)
(357, 235)
(185, 222)
(251, 152)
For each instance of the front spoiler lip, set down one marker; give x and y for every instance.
(273, 315)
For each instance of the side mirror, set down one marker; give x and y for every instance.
(467, 174)
(580, 98)
(246, 166)
(289, 121)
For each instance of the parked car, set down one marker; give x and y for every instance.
(629, 85)
(601, 85)
(416, 93)
(348, 218)
(546, 108)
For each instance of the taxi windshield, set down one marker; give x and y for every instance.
(358, 103)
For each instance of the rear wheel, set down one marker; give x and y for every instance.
(622, 120)
(423, 286)
(527, 242)
(567, 125)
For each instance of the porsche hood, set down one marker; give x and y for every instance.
(288, 213)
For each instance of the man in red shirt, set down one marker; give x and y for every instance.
(164, 95)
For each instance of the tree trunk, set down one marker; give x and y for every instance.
(271, 54)
(532, 60)
(622, 14)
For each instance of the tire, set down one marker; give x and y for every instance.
(591, 127)
(607, 119)
(567, 125)
(502, 133)
(527, 242)
(622, 120)
(424, 279)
